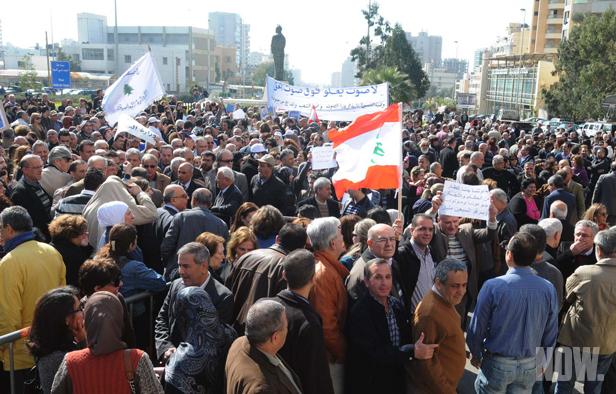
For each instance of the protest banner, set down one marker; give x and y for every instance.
(136, 89)
(126, 124)
(465, 201)
(339, 104)
(323, 157)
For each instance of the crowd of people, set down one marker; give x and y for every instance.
(264, 281)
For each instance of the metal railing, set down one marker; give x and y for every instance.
(12, 337)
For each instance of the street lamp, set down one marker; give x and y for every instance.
(520, 78)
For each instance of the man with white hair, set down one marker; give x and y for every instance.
(559, 210)
(97, 162)
(582, 250)
(329, 296)
(229, 197)
(505, 180)
(477, 161)
(322, 199)
(553, 230)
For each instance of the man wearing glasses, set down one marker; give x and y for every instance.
(381, 244)
(224, 158)
(155, 178)
(29, 194)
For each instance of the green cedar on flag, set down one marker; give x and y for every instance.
(134, 91)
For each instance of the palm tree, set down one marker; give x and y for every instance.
(400, 87)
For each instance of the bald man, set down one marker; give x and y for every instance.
(186, 180)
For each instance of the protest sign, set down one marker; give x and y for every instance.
(465, 201)
(60, 75)
(239, 114)
(340, 104)
(323, 157)
(294, 114)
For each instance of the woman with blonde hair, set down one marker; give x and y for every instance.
(597, 213)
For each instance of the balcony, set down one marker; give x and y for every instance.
(552, 35)
(555, 20)
(556, 5)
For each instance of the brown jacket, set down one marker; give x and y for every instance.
(255, 275)
(440, 323)
(249, 371)
(590, 320)
(162, 181)
(330, 299)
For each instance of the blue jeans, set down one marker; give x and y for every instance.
(506, 375)
(590, 386)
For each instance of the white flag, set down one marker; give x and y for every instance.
(135, 90)
(126, 124)
(4, 122)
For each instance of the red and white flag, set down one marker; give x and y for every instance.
(313, 118)
(369, 152)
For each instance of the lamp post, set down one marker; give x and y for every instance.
(520, 78)
(115, 39)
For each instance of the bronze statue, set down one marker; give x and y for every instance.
(278, 44)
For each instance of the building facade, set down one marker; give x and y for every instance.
(429, 48)
(547, 25)
(580, 7)
(230, 31)
(514, 84)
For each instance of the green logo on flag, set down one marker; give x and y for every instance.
(127, 89)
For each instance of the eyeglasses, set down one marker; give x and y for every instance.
(382, 240)
(181, 196)
(149, 165)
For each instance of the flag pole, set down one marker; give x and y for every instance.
(401, 168)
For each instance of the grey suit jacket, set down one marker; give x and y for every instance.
(242, 183)
(186, 227)
(165, 335)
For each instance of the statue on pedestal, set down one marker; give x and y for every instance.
(278, 44)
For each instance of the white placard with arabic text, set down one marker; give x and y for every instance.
(340, 104)
(323, 157)
(465, 201)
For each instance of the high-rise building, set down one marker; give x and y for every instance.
(91, 28)
(347, 73)
(428, 48)
(336, 79)
(546, 26)
(457, 66)
(573, 8)
(229, 30)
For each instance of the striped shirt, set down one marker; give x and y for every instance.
(455, 249)
(74, 205)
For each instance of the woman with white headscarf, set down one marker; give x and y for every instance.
(110, 214)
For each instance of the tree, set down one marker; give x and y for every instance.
(28, 78)
(399, 53)
(392, 50)
(400, 88)
(586, 68)
(366, 54)
(267, 68)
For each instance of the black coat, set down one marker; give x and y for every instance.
(449, 160)
(374, 365)
(304, 348)
(192, 186)
(271, 192)
(25, 195)
(332, 206)
(165, 335)
(73, 256)
(227, 203)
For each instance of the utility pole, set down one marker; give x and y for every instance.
(115, 38)
(368, 40)
(47, 52)
(520, 78)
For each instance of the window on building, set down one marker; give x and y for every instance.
(128, 59)
(165, 61)
(110, 54)
(566, 18)
(93, 54)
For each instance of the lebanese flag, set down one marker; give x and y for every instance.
(369, 152)
(313, 116)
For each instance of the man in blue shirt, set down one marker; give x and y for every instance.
(516, 314)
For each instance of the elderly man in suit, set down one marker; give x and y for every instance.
(605, 190)
(229, 197)
(156, 179)
(253, 365)
(458, 241)
(185, 228)
(194, 271)
(175, 200)
(322, 199)
(556, 184)
(186, 179)
(224, 158)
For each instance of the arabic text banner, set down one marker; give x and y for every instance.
(340, 104)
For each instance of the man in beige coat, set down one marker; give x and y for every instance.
(591, 318)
